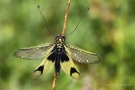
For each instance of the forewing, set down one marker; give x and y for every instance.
(82, 56)
(35, 52)
(69, 67)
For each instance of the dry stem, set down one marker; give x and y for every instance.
(63, 31)
(54, 81)
(66, 16)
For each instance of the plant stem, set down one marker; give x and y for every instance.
(54, 81)
(63, 32)
(66, 16)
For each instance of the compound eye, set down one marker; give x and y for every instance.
(63, 39)
(57, 38)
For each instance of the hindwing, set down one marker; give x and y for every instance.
(45, 65)
(69, 67)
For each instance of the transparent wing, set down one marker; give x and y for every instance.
(35, 52)
(83, 56)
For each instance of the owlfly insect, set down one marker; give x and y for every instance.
(58, 55)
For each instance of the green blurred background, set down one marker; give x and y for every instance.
(107, 29)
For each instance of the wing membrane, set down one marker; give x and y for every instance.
(82, 56)
(35, 52)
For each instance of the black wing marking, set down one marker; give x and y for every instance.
(82, 56)
(35, 52)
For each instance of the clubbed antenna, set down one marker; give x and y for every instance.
(44, 20)
(79, 21)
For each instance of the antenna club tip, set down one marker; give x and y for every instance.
(38, 6)
(87, 8)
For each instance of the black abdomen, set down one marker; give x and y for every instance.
(58, 56)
